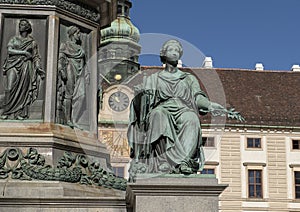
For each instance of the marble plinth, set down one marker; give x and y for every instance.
(45, 196)
(174, 193)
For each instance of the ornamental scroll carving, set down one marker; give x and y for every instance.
(72, 168)
(72, 6)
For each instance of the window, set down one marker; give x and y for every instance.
(296, 144)
(126, 11)
(208, 171)
(297, 184)
(255, 183)
(118, 171)
(119, 10)
(253, 143)
(208, 141)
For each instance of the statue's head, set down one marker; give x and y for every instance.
(171, 50)
(25, 26)
(74, 32)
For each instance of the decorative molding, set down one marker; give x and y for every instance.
(294, 165)
(211, 163)
(72, 6)
(57, 203)
(254, 164)
(72, 168)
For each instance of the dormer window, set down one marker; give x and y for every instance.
(119, 11)
(123, 8)
(126, 11)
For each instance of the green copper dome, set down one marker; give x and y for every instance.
(121, 28)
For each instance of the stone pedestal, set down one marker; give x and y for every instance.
(174, 193)
(46, 128)
(61, 40)
(37, 196)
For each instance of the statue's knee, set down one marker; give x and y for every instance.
(158, 113)
(190, 118)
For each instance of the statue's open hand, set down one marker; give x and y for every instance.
(232, 114)
(218, 110)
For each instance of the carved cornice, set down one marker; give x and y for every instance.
(72, 168)
(72, 6)
(254, 164)
(294, 165)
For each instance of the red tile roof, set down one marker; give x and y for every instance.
(269, 98)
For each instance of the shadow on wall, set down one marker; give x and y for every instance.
(1, 101)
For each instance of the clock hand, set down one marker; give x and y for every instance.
(117, 99)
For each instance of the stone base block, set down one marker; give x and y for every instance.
(52, 140)
(40, 196)
(174, 193)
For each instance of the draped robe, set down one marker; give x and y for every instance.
(164, 121)
(24, 89)
(73, 60)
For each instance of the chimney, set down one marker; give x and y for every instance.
(259, 67)
(208, 62)
(179, 65)
(295, 68)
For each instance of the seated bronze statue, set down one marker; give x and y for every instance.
(164, 131)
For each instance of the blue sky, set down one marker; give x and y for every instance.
(235, 33)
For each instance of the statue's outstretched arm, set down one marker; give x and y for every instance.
(218, 110)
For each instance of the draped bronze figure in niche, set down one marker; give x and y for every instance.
(22, 74)
(165, 131)
(71, 79)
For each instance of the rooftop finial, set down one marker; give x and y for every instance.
(123, 8)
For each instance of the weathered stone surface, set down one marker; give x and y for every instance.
(181, 193)
(75, 7)
(58, 196)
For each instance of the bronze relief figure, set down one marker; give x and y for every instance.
(22, 73)
(71, 78)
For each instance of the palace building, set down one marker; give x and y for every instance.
(259, 159)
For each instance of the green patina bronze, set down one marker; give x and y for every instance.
(71, 168)
(72, 79)
(22, 72)
(164, 131)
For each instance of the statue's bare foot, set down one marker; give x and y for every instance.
(77, 126)
(184, 169)
(70, 124)
(20, 118)
(4, 117)
(164, 167)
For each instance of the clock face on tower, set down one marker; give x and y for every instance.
(118, 101)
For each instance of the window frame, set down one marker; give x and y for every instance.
(255, 184)
(208, 168)
(254, 142)
(296, 185)
(292, 144)
(207, 139)
(117, 168)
